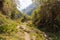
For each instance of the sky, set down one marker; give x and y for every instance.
(22, 4)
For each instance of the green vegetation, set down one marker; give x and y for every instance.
(43, 24)
(45, 16)
(7, 25)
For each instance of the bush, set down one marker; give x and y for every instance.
(8, 28)
(7, 25)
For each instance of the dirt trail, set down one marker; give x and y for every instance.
(27, 36)
(27, 32)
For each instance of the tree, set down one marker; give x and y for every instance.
(46, 15)
(8, 8)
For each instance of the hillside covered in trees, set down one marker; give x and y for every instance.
(42, 24)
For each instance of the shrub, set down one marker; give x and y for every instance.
(8, 28)
(7, 25)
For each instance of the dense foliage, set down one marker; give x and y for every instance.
(8, 11)
(8, 8)
(48, 15)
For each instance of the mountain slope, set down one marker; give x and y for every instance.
(29, 9)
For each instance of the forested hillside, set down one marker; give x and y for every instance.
(42, 24)
(47, 17)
